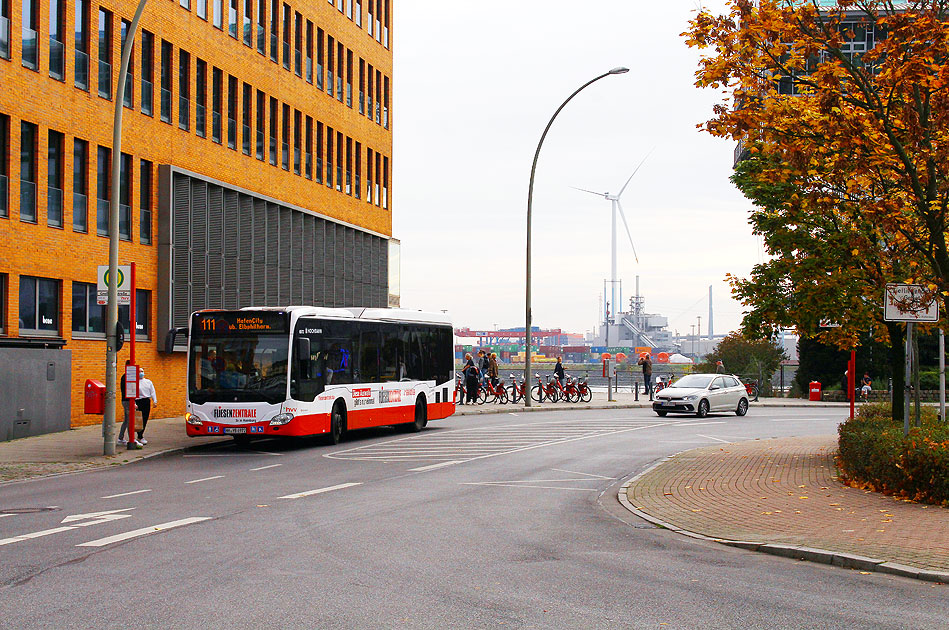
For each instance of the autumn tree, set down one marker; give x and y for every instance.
(846, 111)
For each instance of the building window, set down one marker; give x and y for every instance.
(370, 73)
(127, 96)
(81, 57)
(339, 161)
(385, 183)
(167, 71)
(357, 164)
(148, 72)
(39, 306)
(369, 19)
(87, 315)
(185, 4)
(362, 85)
(248, 23)
(105, 53)
(358, 13)
(287, 25)
(232, 18)
(319, 152)
(349, 165)
(273, 131)
(103, 162)
(200, 97)
(369, 173)
(385, 102)
(309, 52)
(285, 145)
(143, 310)
(80, 185)
(349, 78)
(330, 66)
(201, 9)
(184, 90)
(247, 117)
(125, 199)
(231, 112)
(308, 149)
(340, 69)
(319, 58)
(375, 191)
(385, 24)
(329, 156)
(217, 78)
(262, 26)
(145, 204)
(4, 30)
(274, 28)
(3, 303)
(297, 44)
(261, 124)
(378, 112)
(297, 141)
(216, 18)
(57, 49)
(31, 36)
(54, 176)
(28, 137)
(4, 166)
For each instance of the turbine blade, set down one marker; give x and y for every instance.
(598, 194)
(626, 225)
(634, 172)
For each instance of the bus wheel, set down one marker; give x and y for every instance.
(421, 415)
(337, 424)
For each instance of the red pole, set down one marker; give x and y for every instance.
(131, 402)
(852, 380)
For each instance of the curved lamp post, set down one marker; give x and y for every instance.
(530, 197)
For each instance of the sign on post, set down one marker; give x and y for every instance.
(909, 303)
(124, 285)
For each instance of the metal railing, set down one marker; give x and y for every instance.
(31, 49)
(231, 133)
(127, 95)
(297, 154)
(285, 156)
(4, 199)
(200, 119)
(105, 79)
(319, 76)
(216, 126)
(260, 145)
(184, 112)
(82, 70)
(125, 222)
(165, 104)
(148, 94)
(54, 206)
(4, 37)
(80, 221)
(102, 217)
(27, 201)
(246, 139)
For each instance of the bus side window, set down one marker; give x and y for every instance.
(368, 366)
(306, 378)
(392, 363)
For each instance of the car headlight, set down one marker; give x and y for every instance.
(281, 419)
(193, 420)
(691, 397)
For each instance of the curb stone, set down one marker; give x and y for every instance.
(823, 556)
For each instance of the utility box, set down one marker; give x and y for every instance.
(815, 390)
(95, 397)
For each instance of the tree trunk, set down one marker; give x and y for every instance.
(897, 333)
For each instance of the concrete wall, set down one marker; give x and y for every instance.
(34, 391)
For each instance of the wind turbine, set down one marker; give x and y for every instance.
(617, 205)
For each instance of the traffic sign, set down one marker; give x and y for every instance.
(909, 303)
(124, 285)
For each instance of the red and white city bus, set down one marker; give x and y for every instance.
(302, 371)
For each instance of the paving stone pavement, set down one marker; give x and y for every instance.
(782, 496)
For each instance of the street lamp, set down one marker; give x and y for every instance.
(112, 308)
(530, 197)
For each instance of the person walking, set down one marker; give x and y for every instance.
(126, 404)
(866, 386)
(482, 363)
(559, 373)
(646, 361)
(493, 368)
(146, 397)
(472, 379)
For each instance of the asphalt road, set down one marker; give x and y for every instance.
(506, 520)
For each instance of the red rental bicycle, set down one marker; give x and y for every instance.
(584, 390)
(516, 391)
(492, 393)
(540, 391)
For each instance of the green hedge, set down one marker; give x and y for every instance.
(875, 454)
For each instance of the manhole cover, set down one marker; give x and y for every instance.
(28, 510)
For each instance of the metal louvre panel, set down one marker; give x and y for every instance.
(231, 245)
(319, 263)
(272, 255)
(215, 247)
(286, 247)
(296, 258)
(180, 261)
(306, 262)
(245, 276)
(199, 216)
(260, 286)
(329, 266)
(259, 239)
(349, 275)
(365, 278)
(382, 283)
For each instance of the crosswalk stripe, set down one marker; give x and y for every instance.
(108, 540)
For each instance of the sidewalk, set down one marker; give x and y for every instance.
(781, 496)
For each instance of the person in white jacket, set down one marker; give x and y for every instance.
(146, 398)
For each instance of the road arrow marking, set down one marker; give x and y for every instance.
(91, 515)
(102, 542)
(94, 518)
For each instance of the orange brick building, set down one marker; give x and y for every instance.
(256, 166)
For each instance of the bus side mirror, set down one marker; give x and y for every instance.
(302, 351)
(170, 338)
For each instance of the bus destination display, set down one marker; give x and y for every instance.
(240, 322)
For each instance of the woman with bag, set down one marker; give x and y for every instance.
(146, 396)
(472, 379)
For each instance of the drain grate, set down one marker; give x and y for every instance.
(28, 510)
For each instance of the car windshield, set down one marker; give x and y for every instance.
(238, 368)
(698, 381)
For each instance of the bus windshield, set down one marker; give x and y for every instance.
(238, 368)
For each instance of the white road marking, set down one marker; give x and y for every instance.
(308, 493)
(125, 494)
(514, 485)
(265, 467)
(205, 479)
(82, 517)
(573, 472)
(697, 424)
(2, 515)
(101, 542)
(434, 466)
(103, 517)
(709, 437)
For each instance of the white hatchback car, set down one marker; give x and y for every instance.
(702, 393)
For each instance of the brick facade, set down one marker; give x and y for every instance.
(68, 256)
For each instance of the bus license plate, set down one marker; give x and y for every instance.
(235, 429)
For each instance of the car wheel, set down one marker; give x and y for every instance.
(703, 409)
(661, 414)
(742, 407)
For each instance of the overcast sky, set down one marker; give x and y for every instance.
(474, 85)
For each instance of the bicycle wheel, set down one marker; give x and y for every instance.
(537, 394)
(754, 392)
(484, 396)
(513, 394)
(502, 397)
(586, 396)
(553, 395)
(573, 396)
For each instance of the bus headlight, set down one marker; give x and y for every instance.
(193, 420)
(281, 419)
